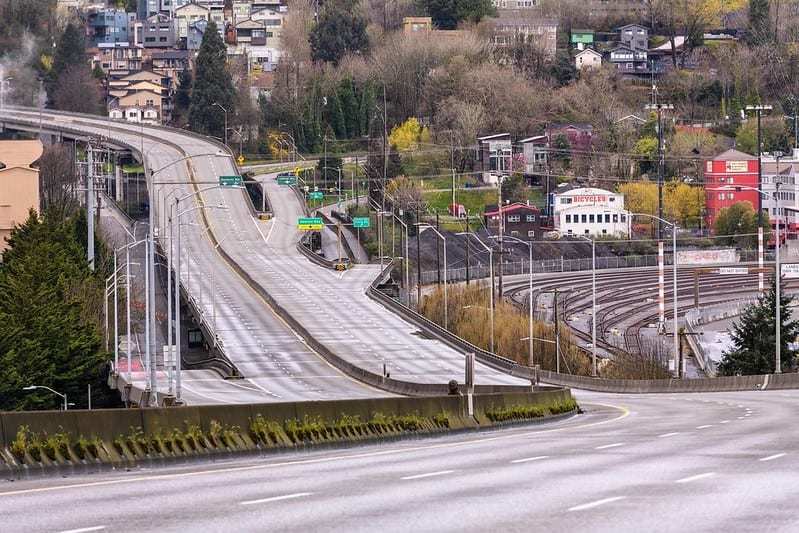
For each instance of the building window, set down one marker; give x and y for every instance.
(604, 231)
(530, 218)
(514, 218)
(568, 219)
(583, 218)
(514, 233)
(531, 234)
(624, 218)
(615, 218)
(591, 218)
(607, 221)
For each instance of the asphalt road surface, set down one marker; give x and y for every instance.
(701, 462)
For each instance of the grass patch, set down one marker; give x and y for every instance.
(529, 412)
(474, 201)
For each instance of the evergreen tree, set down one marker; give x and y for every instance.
(341, 30)
(335, 116)
(365, 108)
(753, 338)
(49, 330)
(70, 53)
(212, 84)
(349, 107)
(759, 31)
(446, 14)
(183, 92)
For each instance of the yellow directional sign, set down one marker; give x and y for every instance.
(297, 171)
(240, 160)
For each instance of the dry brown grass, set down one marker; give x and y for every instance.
(510, 326)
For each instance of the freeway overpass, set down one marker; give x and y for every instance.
(252, 267)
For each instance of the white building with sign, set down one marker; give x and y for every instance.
(590, 211)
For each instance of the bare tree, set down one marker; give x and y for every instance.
(77, 90)
(58, 181)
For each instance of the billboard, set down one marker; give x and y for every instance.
(790, 270)
(707, 257)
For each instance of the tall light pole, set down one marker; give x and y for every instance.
(63, 396)
(674, 229)
(659, 108)
(593, 302)
(491, 274)
(419, 227)
(758, 109)
(217, 104)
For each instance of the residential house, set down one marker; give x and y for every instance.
(494, 156)
(726, 171)
(273, 20)
(661, 58)
(107, 26)
(117, 59)
(187, 15)
(147, 8)
(513, 25)
(19, 184)
(580, 137)
(630, 61)
(250, 42)
(424, 25)
(582, 39)
(523, 221)
(141, 97)
(195, 36)
(534, 153)
(588, 59)
(158, 31)
(634, 36)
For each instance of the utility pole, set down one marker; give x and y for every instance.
(795, 128)
(501, 231)
(90, 206)
(661, 159)
(385, 150)
(438, 253)
(452, 166)
(557, 331)
(758, 109)
(468, 250)
(418, 262)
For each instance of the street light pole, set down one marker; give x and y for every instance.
(444, 239)
(491, 275)
(777, 282)
(758, 109)
(34, 387)
(529, 295)
(661, 158)
(225, 111)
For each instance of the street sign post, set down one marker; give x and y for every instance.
(286, 179)
(360, 222)
(230, 181)
(240, 160)
(790, 270)
(316, 195)
(310, 224)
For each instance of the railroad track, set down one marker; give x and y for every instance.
(626, 294)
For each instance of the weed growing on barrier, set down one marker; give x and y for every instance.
(21, 442)
(223, 435)
(87, 448)
(266, 431)
(526, 412)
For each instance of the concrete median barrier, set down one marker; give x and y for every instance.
(45, 442)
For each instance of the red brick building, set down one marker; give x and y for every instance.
(729, 169)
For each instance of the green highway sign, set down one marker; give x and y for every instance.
(286, 179)
(230, 181)
(316, 195)
(360, 222)
(310, 224)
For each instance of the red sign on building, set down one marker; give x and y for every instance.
(723, 174)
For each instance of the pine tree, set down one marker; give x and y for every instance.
(70, 53)
(212, 84)
(759, 31)
(183, 92)
(349, 107)
(341, 30)
(753, 337)
(365, 108)
(335, 116)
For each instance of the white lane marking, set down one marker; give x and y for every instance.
(669, 434)
(772, 457)
(277, 498)
(597, 503)
(705, 426)
(696, 477)
(317, 460)
(83, 529)
(606, 446)
(528, 459)
(429, 474)
(740, 418)
(724, 422)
